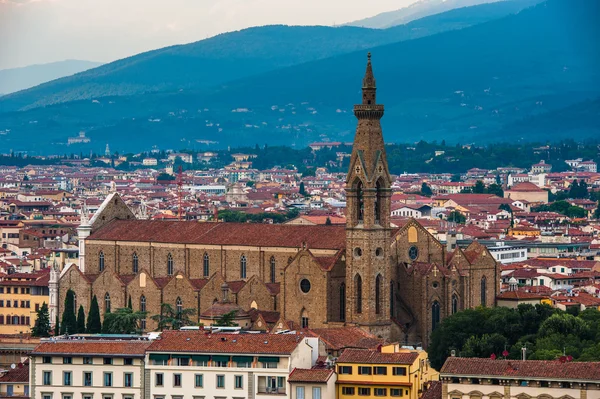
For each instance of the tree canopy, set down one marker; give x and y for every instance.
(68, 323)
(172, 319)
(41, 328)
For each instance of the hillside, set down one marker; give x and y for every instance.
(462, 86)
(15, 79)
(236, 55)
(417, 10)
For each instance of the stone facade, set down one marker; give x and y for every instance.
(398, 283)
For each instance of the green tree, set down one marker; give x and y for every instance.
(302, 190)
(479, 187)
(426, 190)
(484, 346)
(80, 320)
(165, 177)
(495, 189)
(68, 323)
(455, 178)
(457, 217)
(56, 326)
(505, 207)
(597, 211)
(227, 319)
(171, 319)
(41, 328)
(94, 324)
(122, 321)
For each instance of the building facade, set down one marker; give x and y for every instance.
(396, 282)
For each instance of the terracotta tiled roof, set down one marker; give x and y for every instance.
(218, 309)
(92, 347)
(346, 337)
(548, 369)
(273, 288)
(269, 316)
(250, 234)
(310, 375)
(200, 342)
(369, 356)
(18, 374)
(434, 391)
(518, 295)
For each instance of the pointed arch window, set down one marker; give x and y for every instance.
(74, 303)
(101, 261)
(243, 263)
(454, 303)
(483, 291)
(143, 309)
(179, 306)
(107, 303)
(206, 265)
(435, 315)
(378, 294)
(304, 319)
(360, 202)
(272, 263)
(135, 263)
(358, 293)
(378, 202)
(170, 268)
(343, 302)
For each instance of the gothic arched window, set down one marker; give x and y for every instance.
(142, 303)
(343, 302)
(74, 303)
(206, 265)
(179, 305)
(101, 261)
(170, 265)
(107, 303)
(435, 315)
(304, 319)
(360, 202)
(358, 293)
(378, 294)
(272, 263)
(483, 291)
(243, 262)
(135, 263)
(454, 303)
(378, 202)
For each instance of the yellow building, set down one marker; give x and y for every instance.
(21, 295)
(390, 372)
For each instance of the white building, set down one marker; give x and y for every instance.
(192, 364)
(87, 369)
(507, 254)
(150, 162)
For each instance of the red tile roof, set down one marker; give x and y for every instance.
(346, 337)
(250, 234)
(18, 374)
(310, 375)
(548, 369)
(369, 356)
(200, 342)
(92, 347)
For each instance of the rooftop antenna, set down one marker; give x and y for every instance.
(524, 350)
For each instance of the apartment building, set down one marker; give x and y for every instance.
(21, 296)
(88, 369)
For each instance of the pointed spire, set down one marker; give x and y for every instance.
(369, 79)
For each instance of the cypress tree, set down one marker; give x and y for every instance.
(80, 320)
(56, 326)
(69, 321)
(94, 325)
(41, 328)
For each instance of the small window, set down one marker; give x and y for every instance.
(364, 391)
(67, 360)
(345, 369)
(47, 360)
(380, 370)
(177, 380)
(87, 379)
(239, 382)
(220, 381)
(348, 391)
(108, 360)
(128, 361)
(299, 392)
(395, 392)
(399, 371)
(47, 378)
(380, 392)
(364, 370)
(316, 392)
(88, 360)
(198, 380)
(159, 379)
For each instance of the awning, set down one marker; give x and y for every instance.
(159, 357)
(243, 359)
(181, 356)
(218, 358)
(200, 358)
(267, 359)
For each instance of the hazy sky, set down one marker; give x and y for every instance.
(40, 31)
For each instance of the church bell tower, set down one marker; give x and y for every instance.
(368, 196)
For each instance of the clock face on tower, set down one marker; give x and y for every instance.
(413, 253)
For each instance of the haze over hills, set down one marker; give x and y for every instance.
(240, 54)
(15, 79)
(420, 9)
(462, 85)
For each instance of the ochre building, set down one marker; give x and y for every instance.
(396, 282)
